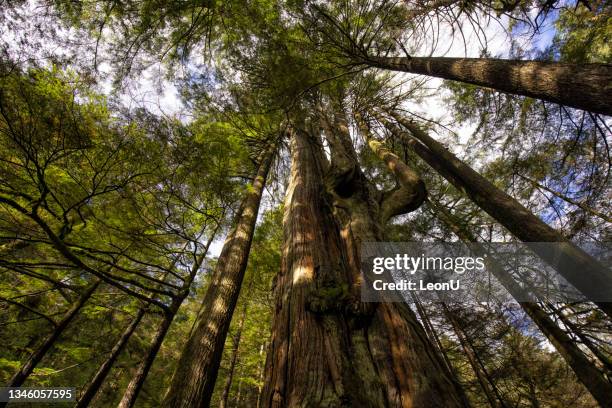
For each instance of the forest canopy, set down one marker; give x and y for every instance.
(187, 189)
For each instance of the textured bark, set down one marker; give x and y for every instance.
(421, 360)
(27, 368)
(584, 272)
(309, 362)
(326, 349)
(194, 379)
(582, 86)
(97, 380)
(233, 359)
(420, 377)
(585, 370)
(343, 173)
(380, 331)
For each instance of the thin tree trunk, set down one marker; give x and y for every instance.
(260, 375)
(132, 390)
(489, 388)
(581, 270)
(104, 369)
(584, 369)
(238, 394)
(451, 370)
(233, 358)
(194, 379)
(94, 386)
(582, 86)
(26, 369)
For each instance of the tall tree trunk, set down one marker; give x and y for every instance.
(584, 272)
(585, 370)
(132, 390)
(421, 360)
(95, 383)
(194, 379)
(361, 214)
(484, 379)
(233, 358)
(260, 374)
(310, 361)
(27, 368)
(582, 86)
(325, 351)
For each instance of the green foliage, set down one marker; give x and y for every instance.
(89, 188)
(584, 35)
(122, 194)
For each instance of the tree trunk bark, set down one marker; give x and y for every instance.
(421, 360)
(412, 192)
(407, 178)
(131, 392)
(584, 272)
(326, 352)
(584, 369)
(360, 215)
(104, 369)
(233, 359)
(27, 368)
(582, 86)
(194, 379)
(310, 362)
